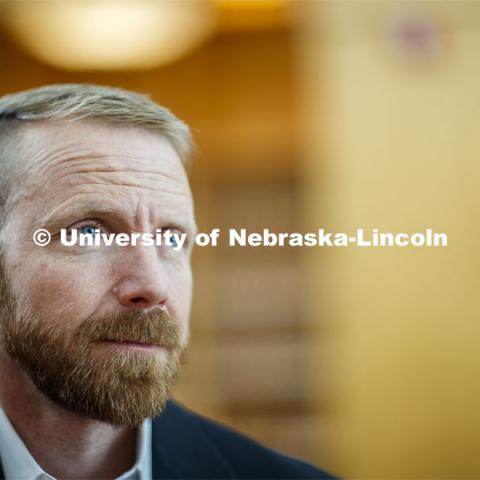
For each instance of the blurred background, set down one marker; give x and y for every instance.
(311, 114)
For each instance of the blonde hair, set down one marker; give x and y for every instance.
(83, 101)
(73, 102)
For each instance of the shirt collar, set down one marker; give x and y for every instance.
(19, 464)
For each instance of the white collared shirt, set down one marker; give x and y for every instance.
(18, 463)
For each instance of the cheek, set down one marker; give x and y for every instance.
(180, 295)
(57, 291)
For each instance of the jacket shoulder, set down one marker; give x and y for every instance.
(242, 457)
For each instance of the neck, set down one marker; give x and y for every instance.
(64, 444)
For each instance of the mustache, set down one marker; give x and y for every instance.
(156, 327)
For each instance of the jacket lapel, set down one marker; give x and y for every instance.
(180, 448)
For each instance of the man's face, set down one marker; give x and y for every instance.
(99, 330)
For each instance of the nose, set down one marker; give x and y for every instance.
(143, 281)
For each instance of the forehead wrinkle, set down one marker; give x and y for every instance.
(172, 199)
(135, 194)
(95, 163)
(63, 154)
(94, 169)
(35, 179)
(107, 161)
(101, 137)
(138, 186)
(163, 199)
(47, 155)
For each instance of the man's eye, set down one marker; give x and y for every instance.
(173, 240)
(88, 230)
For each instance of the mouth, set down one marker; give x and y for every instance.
(131, 344)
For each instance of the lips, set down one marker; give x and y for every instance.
(131, 343)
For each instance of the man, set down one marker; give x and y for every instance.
(92, 337)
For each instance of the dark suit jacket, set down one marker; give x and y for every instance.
(188, 446)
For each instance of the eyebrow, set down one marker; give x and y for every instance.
(92, 210)
(89, 210)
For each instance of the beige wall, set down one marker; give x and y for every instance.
(394, 144)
